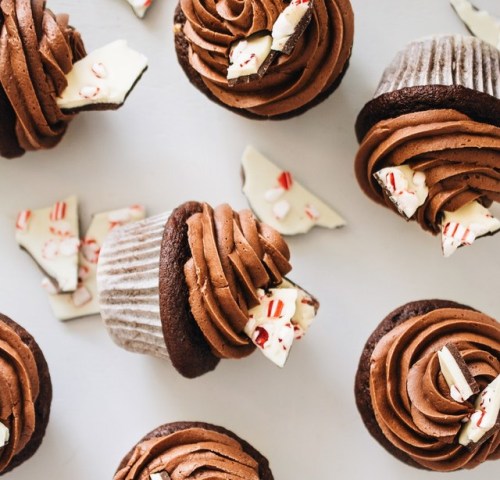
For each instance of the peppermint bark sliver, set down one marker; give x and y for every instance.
(103, 79)
(4, 435)
(457, 374)
(291, 24)
(160, 476)
(140, 7)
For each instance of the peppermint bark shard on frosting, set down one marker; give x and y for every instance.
(249, 58)
(280, 201)
(51, 236)
(465, 225)
(479, 22)
(103, 79)
(486, 416)
(457, 374)
(140, 7)
(159, 476)
(405, 188)
(291, 24)
(4, 435)
(84, 300)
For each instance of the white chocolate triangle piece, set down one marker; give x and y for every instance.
(483, 25)
(460, 389)
(270, 327)
(104, 77)
(263, 179)
(140, 7)
(465, 225)
(405, 187)
(50, 235)
(84, 300)
(247, 56)
(485, 417)
(287, 22)
(4, 435)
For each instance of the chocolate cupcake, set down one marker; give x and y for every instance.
(200, 284)
(45, 76)
(265, 60)
(430, 139)
(25, 395)
(193, 450)
(428, 385)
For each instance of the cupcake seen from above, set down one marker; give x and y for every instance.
(428, 385)
(200, 284)
(25, 395)
(430, 139)
(46, 77)
(266, 60)
(190, 450)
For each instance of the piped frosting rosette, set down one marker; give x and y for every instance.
(207, 32)
(412, 401)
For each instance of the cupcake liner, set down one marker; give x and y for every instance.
(452, 60)
(128, 283)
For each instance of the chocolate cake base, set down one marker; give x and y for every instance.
(43, 402)
(187, 348)
(169, 428)
(362, 382)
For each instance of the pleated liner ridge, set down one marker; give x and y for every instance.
(445, 60)
(128, 283)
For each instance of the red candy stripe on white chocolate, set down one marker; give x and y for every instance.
(91, 250)
(285, 180)
(23, 220)
(312, 212)
(275, 308)
(58, 211)
(99, 70)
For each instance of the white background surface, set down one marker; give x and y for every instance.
(169, 144)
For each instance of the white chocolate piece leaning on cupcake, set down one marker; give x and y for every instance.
(104, 78)
(279, 200)
(51, 236)
(483, 25)
(4, 435)
(248, 55)
(485, 418)
(140, 7)
(159, 476)
(287, 24)
(84, 300)
(464, 226)
(405, 187)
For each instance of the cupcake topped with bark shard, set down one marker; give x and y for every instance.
(270, 59)
(430, 139)
(46, 76)
(200, 284)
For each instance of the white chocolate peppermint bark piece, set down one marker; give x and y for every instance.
(456, 373)
(51, 236)
(483, 25)
(247, 56)
(84, 300)
(270, 326)
(465, 225)
(485, 418)
(4, 435)
(103, 79)
(280, 201)
(159, 476)
(140, 7)
(405, 187)
(288, 26)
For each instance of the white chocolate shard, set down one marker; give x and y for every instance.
(460, 390)
(140, 7)
(261, 177)
(287, 22)
(4, 435)
(485, 416)
(483, 25)
(405, 187)
(50, 235)
(160, 476)
(84, 300)
(465, 225)
(103, 78)
(247, 56)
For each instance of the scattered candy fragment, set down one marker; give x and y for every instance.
(290, 24)
(4, 435)
(248, 55)
(140, 7)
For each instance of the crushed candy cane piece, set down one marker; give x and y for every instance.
(248, 55)
(23, 220)
(4, 435)
(261, 176)
(274, 194)
(405, 187)
(58, 211)
(89, 92)
(61, 228)
(69, 246)
(465, 225)
(281, 209)
(140, 7)
(91, 250)
(81, 296)
(99, 70)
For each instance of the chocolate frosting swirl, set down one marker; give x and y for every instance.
(191, 453)
(232, 256)
(294, 80)
(460, 158)
(19, 390)
(410, 397)
(37, 50)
